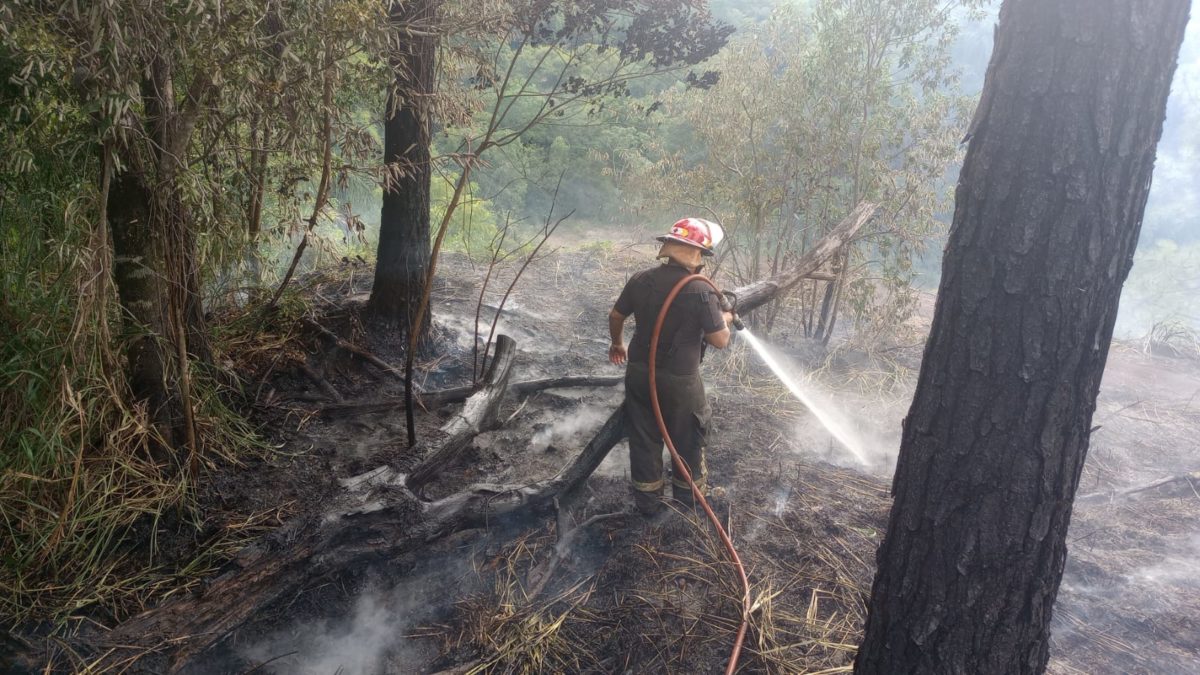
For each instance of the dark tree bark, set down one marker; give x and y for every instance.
(136, 249)
(154, 261)
(404, 235)
(1048, 209)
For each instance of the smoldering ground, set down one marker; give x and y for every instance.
(808, 516)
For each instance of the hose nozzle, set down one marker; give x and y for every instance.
(728, 304)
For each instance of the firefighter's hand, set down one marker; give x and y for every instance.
(728, 316)
(617, 354)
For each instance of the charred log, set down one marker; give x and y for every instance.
(759, 293)
(434, 399)
(384, 520)
(477, 416)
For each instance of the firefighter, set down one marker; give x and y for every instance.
(694, 319)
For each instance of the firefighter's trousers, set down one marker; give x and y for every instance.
(686, 413)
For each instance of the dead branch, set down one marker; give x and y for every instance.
(379, 525)
(319, 380)
(478, 415)
(541, 575)
(821, 276)
(322, 189)
(759, 293)
(547, 231)
(458, 394)
(353, 348)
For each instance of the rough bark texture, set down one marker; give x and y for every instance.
(1049, 205)
(136, 256)
(404, 246)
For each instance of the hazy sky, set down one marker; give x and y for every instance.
(1159, 289)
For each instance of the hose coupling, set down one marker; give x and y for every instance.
(729, 304)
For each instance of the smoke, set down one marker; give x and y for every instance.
(356, 646)
(842, 429)
(1176, 569)
(562, 428)
(616, 464)
(373, 637)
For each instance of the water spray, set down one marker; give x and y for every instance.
(837, 428)
(834, 426)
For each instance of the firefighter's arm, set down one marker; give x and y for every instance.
(720, 338)
(616, 328)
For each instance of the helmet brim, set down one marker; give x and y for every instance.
(670, 237)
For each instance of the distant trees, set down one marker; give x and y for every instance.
(1048, 210)
(534, 61)
(834, 102)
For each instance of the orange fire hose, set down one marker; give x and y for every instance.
(682, 469)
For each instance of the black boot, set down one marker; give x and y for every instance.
(649, 504)
(683, 497)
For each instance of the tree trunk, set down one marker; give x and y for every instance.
(404, 246)
(1048, 208)
(154, 265)
(136, 252)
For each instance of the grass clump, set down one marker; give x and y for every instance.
(81, 499)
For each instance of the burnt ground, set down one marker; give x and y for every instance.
(638, 596)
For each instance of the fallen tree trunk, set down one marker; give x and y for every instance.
(387, 521)
(760, 293)
(443, 396)
(383, 519)
(477, 416)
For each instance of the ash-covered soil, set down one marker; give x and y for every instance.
(628, 595)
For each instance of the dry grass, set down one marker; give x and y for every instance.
(82, 502)
(1172, 338)
(664, 598)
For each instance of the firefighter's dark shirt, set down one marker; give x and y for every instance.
(695, 313)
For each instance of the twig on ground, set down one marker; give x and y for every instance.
(351, 347)
(319, 380)
(541, 574)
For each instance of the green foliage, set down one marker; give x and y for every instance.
(826, 103)
(83, 465)
(473, 226)
(834, 102)
(76, 474)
